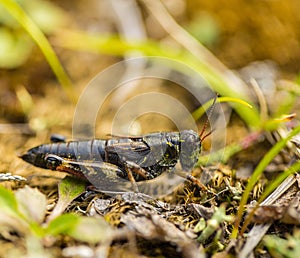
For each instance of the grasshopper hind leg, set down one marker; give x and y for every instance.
(132, 169)
(98, 173)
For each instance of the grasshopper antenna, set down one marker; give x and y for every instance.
(210, 111)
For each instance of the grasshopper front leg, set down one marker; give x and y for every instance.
(191, 178)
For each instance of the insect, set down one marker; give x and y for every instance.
(132, 159)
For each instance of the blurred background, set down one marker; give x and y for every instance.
(39, 88)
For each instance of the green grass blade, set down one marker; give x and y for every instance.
(270, 188)
(200, 111)
(221, 155)
(256, 174)
(37, 35)
(278, 180)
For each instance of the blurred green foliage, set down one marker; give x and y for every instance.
(15, 44)
(205, 29)
(288, 247)
(24, 212)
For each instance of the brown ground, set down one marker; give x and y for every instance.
(244, 32)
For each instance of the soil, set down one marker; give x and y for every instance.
(33, 106)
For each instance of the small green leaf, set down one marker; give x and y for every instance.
(10, 217)
(91, 230)
(32, 203)
(69, 189)
(86, 229)
(8, 202)
(62, 224)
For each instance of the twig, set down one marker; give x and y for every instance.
(258, 231)
(261, 99)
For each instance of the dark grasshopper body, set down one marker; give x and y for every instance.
(145, 157)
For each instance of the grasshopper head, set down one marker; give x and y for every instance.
(190, 148)
(190, 143)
